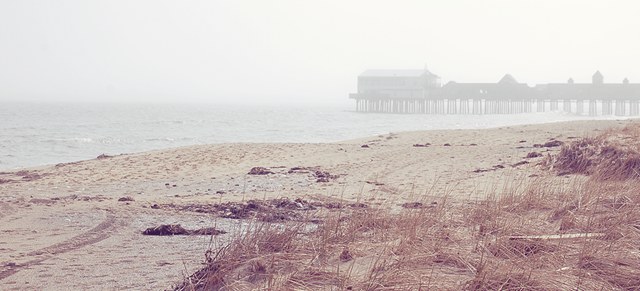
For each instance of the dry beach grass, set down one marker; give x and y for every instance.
(536, 235)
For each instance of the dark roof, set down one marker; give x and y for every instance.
(597, 74)
(597, 78)
(502, 90)
(508, 79)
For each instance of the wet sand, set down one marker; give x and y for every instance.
(62, 226)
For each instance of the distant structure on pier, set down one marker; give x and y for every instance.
(397, 83)
(420, 91)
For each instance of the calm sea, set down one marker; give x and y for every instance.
(33, 134)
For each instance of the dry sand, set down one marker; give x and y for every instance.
(62, 226)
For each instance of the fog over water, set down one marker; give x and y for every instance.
(79, 78)
(289, 51)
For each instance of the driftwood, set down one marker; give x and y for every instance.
(559, 236)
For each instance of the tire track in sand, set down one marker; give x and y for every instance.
(100, 232)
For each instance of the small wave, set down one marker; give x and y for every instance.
(164, 122)
(83, 139)
(161, 139)
(73, 139)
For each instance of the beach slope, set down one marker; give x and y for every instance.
(79, 225)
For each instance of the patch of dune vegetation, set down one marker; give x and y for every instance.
(539, 235)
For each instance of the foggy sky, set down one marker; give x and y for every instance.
(303, 51)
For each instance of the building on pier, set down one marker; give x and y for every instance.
(600, 97)
(419, 91)
(506, 88)
(396, 84)
(505, 96)
(597, 89)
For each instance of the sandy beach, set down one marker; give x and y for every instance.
(63, 226)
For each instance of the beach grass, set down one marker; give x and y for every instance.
(540, 234)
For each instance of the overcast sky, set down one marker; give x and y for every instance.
(305, 51)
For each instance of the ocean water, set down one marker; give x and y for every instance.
(34, 134)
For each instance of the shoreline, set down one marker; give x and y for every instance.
(357, 139)
(59, 222)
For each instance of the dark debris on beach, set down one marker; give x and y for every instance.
(177, 229)
(273, 210)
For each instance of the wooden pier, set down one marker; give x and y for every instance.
(415, 93)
